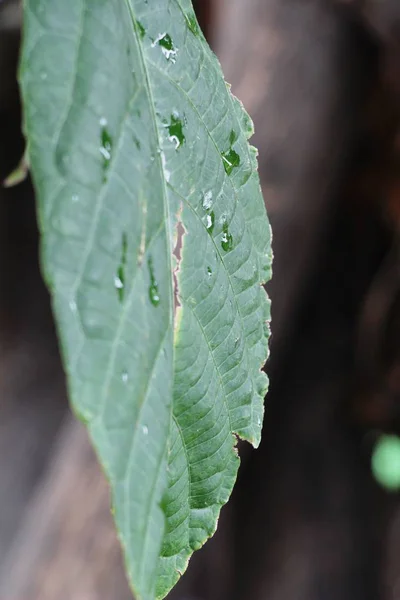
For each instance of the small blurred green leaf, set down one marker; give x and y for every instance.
(386, 462)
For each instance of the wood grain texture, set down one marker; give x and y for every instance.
(301, 70)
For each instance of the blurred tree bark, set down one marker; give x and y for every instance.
(306, 520)
(67, 546)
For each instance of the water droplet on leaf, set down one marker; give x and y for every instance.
(125, 377)
(119, 279)
(227, 239)
(105, 144)
(154, 296)
(118, 283)
(175, 130)
(232, 137)
(166, 44)
(153, 289)
(207, 200)
(231, 160)
(145, 430)
(140, 29)
(210, 222)
(192, 24)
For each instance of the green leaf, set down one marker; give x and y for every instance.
(155, 245)
(386, 462)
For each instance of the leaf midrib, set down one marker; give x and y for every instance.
(167, 226)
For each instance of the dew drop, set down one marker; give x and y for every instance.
(154, 295)
(209, 271)
(118, 283)
(119, 279)
(125, 377)
(166, 44)
(233, 136)
(207, 200)
(231, 160)
(75, 198)
(227, 239)
(193, 24)
(105, 144)
(140, 29)
(175, 130)
(145, 430)
(210, 222)
(105, 149)
(72, 306)
(153, 289)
